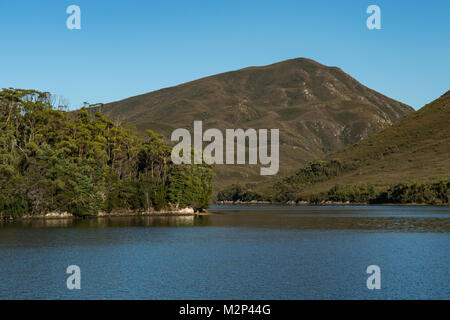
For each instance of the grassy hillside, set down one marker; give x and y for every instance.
(415, 149)
(318, 109)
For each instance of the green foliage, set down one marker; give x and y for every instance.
(351, 193)
(190, 185)
(435, 193)
(81, 163)
(239, 193)
(312, 172)
(414, 192)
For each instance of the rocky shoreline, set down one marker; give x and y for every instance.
(188, 211)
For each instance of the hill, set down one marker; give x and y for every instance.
(318, 109)
(416, 148)
(412, 153)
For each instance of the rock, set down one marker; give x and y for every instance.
(187, 210)
(55, 214)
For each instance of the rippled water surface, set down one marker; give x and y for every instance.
(242, 252)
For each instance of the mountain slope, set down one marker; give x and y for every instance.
(415, 149)
(318, 110)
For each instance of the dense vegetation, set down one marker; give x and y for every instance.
(290, 187)
(240, 193)
(434, 193)
(430, 193)
(313, 172)
(52, 160)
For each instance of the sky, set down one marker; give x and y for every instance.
(126, 48)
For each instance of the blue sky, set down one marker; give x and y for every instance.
(125, 48)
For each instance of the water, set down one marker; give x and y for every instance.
(245, 252)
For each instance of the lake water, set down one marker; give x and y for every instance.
(244, 252)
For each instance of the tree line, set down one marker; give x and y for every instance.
(83, 163)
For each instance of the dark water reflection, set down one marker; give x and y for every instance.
(389, 219)
(243, 252)
(125, 221)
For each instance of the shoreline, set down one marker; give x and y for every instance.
(323, 204)
(184, 212)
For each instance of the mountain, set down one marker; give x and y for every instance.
(416, 149)
(318, 110)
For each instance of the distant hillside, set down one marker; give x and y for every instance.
(415, 149)
(318, 110)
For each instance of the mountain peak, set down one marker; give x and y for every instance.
(318, 109)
